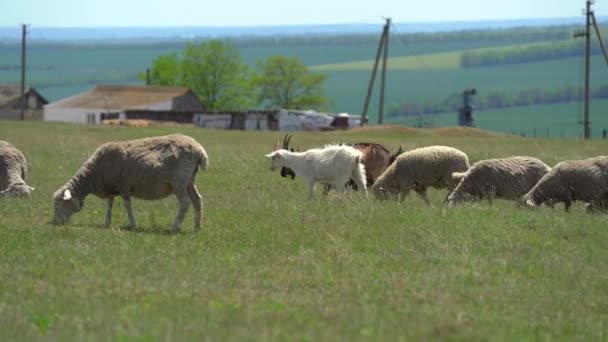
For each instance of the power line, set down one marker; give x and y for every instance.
(408, 47)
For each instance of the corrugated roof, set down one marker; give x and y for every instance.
(121, 97)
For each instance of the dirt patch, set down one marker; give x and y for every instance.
(465, 131)
(386, 128)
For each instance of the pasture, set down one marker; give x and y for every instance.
(268, 265)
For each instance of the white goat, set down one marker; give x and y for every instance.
(333, 164)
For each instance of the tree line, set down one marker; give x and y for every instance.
(497, 100)
(525, 54)
(215, 72)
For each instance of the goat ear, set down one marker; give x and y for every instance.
(3, 192)
(270, 155)
(31, 188)
(67, 195)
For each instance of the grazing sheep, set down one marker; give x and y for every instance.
(506, 178)
(572, 180)
(421, 168)
(150, 168)
(13, 171)
(333, 164)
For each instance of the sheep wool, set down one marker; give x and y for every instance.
(505, 178)
(419, 169)
(572, 180)
(149, 168)
(13, 171)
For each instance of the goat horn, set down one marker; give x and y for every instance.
(286, 140)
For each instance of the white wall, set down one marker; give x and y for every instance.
(74, 115)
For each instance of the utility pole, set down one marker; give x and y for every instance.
(383, 44)
(147, 76)
(383, 80)
(589, 20)
(23, 99)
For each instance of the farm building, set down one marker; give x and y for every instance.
(115, 101)
(279, 119)
(10, 103)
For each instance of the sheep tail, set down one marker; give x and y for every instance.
(203, 161)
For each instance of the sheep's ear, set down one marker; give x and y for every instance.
(67, 195)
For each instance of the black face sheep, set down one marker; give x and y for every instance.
(150, 168)
(13, 171)
(572, 180)
(506, 178)
(419, 169)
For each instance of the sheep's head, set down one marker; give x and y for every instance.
(66, 204)
(20, 190)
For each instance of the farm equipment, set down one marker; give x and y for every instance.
(465, 113)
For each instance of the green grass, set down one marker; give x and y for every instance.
(268, 265)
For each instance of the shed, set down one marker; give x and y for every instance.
(115, 101)
(10, 103)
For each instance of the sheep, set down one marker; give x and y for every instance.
(13, 171)
(149, 168)
(421, 168)
(506, 178)
(332, 164)
(572, 180)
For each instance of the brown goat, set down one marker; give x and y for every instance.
(376, 158)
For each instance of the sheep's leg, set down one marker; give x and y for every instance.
(127, 203)
(567, 205)
(311, 189)
(422, 193)
(326, 188)
(108, 220)
(403, 194)
(197, 203)
(184, 203)
(340, 187)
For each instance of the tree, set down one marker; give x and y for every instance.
(213, 70)
(285, 82)
(165, 70)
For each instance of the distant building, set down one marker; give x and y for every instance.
(116, 101)
(276, 120)
(10, 103)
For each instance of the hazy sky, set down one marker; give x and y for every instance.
(276, 12)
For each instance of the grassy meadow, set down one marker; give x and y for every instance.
(269, 265)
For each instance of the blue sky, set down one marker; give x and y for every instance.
(79, 13)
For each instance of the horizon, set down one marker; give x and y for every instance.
(192, 13)
(377, 22)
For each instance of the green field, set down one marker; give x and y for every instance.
(269, 265)
(558, 120)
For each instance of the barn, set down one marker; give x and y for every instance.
(10, 103)
(115, 101)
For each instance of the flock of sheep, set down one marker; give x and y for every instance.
(156, 167)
